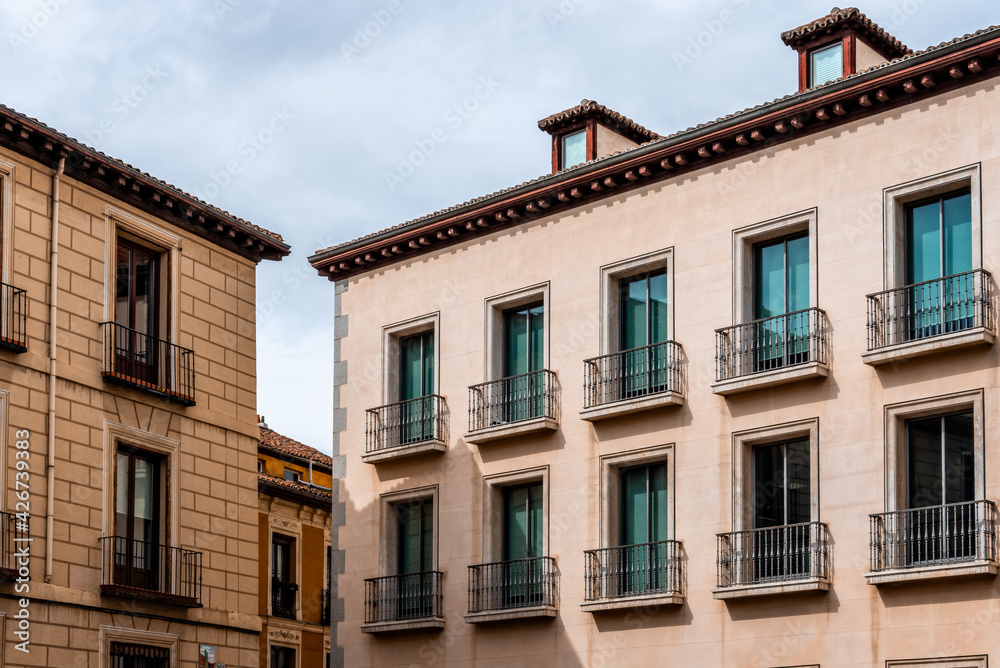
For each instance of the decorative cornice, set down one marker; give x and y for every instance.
(36, 141)
(874, 91)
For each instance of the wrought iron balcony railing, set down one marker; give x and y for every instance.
(283, 598)
(14, 542)
(13, 318)
(631, 374)
(137, 569)
(513, 399)
(933, 535)
(324, 611)
(633, 570)
(781, 341)
(775, 554)
(395, 598)
(932, 308)
(503, 585)
(139, 360)
(404, 423)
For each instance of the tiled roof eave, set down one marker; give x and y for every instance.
(36, 141)
(899, 82)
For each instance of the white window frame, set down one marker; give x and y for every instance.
(610, 492)
(391, 335)
(388, 526)
(611, 277)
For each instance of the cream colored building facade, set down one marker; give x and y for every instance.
(128, 430)
(798, 464)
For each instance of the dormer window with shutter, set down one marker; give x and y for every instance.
(590, 131)
(826, 64)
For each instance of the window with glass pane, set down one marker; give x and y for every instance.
(941, 483)
(523, 354)
(283, 587)
(137, 519)
(643, 527)
(782, 500)
(282, 657)
(781, 297)
(522, 541)
(643, 308)
(826, 64)
(136, 308)
(941, 296)
(134, 655)
(574, 149)
(416, 384)
(415, 559)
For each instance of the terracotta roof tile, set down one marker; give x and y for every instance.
(666, 139)
(591, 109)
(839, 16)
(275, 441)
(124, 165)
(297, 487)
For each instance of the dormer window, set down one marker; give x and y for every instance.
(826, 64)
(574, 149)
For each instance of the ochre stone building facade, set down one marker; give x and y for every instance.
(128, 431)
(294, 554)
(726, 397)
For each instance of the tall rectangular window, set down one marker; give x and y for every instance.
(283, 587)
(523, 355)
(136, 311)
(415, 559)
(282, 657)
(826, 64)
(643, 527)
(780, 295)
(938, 258)
(522, 542)
(643, 308)
(416, 384)
(138, 519)
(782, 505)
(574, 149)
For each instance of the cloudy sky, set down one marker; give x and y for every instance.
(313, 119)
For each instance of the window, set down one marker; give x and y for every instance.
(139, 530)
(644, 524)
(132, 655)
(937, 295)
(780, 335)
(261, 466)
(137, 311)
(826, 64)
(574, 149)
(523, 356)
(643, 306)
(937, 513)
(283, 587)
(282, 657)
(954, 662)
(778, 544)
(292, 475)
(416, 384)
(415, 559)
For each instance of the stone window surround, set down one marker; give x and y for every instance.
(613, 274)
(610, 492)
(742, 457)
(391, 334)
(979, 661)
(896, 416)
(745, 238)
(6, 217)
(388, 527)
(289, 528)
(895, 199)
(115, 434)
(118, 221)
(296, 649)
(495, 307)
(107, 634)
(493, 486)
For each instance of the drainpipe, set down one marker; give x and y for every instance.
(53, 314)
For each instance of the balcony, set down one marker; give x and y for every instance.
(404, 429)
(403, 602)
(283, 598)
(13, 318)
(775, 560)
(512, 406)
(921, 319)
(517, 589)
(632, 576)
(138, 360)
(139, 570)
(771, 351)
(932, 542)
(13, 537)
(632, 380)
